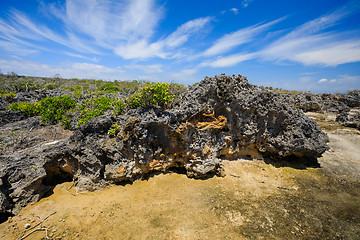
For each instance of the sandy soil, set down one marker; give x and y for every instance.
(255, 200)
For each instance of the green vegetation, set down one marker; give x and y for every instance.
(8, 95)
(118, 108)
(96, 106)
(282, 91)
(66, 122)
(15, 83)
(153, 94)
(85, 98)
(28, 108)
(115, 128)
(93, 107)
(51, 109)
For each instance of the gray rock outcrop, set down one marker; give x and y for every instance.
(222, 117)
(350, 118)
(325, 102)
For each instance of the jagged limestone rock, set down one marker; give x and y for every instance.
(350, 118)
(222, 117)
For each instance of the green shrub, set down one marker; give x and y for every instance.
(153, 94)
(28, 108)
(52, 109)
(110, 87)
(118, 107)
(93, 107)
(66, 122)
(8, 96)
(134, 101)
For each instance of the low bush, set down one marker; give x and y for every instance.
(110, 87)
(28, 108)
(51, 109)
(93, 107)
(153, 94)
(66, 122)
(8, 95)
(118, 107)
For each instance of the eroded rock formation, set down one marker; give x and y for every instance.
(223, 117)
(350, 118)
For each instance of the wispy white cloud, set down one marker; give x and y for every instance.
(305, 79)
(89, 25)
(323, 80)
(183, 33)
(331, 54)
(342, 79)
(23, 29)
(154, 68)
(163, 48)
(110, 21)
(345, 78)
(235, 10)
(310, 45)
(235, 39)
(228, 60)
(67, 70)
(141, 49)
(124, 27)
(75, 55)
(245, 3)
(16, 48)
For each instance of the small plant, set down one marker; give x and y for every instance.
(115, 128)
(33, 167)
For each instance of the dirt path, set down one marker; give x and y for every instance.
(254, 200)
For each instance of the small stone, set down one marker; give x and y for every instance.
(27, 226)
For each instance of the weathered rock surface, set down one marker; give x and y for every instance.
(325, 102)
(350, 118)
(8, 116)
(223, 117)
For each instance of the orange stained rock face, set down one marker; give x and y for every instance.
(215, 123)
(120, 170)
(156, 165)
(204, 121)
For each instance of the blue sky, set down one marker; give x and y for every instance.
(296, 45)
